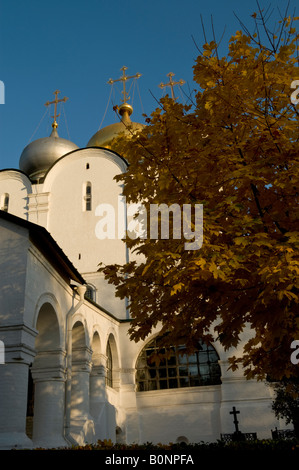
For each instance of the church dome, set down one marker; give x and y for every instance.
(40, 154)
(104, 137)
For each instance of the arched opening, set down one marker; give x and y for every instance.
(96, 350)
(78, 337)
(46, 388)
(109, 366)
(176, 369)
(112, 385)
(48, 338)
(112, 363)
(78, 360)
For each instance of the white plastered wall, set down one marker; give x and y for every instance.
(74, 228)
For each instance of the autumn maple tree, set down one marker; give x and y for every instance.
(235, 150)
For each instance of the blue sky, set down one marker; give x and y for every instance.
(76, 46)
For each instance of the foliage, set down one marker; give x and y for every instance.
(267, 447)
(234, 150)
(286, 402)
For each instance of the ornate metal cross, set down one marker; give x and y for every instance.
(55, 102)
(123, 79)
(171, 84)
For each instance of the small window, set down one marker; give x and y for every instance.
(90, 293)
(5, 202)
(109, 381)
(87, 197)
(87, 166)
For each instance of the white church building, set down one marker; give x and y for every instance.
(69, 373)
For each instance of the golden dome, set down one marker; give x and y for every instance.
(104, 137)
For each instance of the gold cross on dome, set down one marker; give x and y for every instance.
(123, 79)
(55, 102)
(171, 83)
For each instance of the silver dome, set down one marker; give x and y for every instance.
(40, 154)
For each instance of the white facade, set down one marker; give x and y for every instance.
(50, 331)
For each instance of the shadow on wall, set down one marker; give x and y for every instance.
(13, 261)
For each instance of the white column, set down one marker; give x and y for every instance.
(82, 425)
(49, 400)
(129, 403)
(13, 405)
(98, 400)
(18, 341)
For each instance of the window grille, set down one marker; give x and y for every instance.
(177, 369)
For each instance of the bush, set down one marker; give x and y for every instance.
(262, 446)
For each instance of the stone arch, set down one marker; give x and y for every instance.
(97, 361)
(79, 338)
(48, 337)
(111, 346)
(50, 299)
(79, 321)
(48, 374)
(96, 349)
(114, 347)
(96, 335)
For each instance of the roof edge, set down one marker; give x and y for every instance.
(43, 239)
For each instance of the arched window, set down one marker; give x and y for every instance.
(4, 202)
(87, 196)
(109, 366)
(178, 369)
